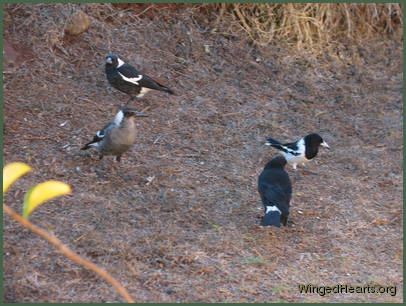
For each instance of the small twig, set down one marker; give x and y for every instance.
(88, 100)
(145, 109)
(69, 253)
(32, 138)
(187, 155)
(148, 8)
(156, 140)
(231, 114)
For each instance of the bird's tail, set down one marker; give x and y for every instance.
(273, 143)
(272, 218)
(168, 90)
(87, 146)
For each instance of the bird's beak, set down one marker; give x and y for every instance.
(324, 144)
(267, 143)
(141, 114)
(109, 60)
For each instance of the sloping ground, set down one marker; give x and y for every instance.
(192, 234)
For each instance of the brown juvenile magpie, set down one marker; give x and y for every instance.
(117, 136)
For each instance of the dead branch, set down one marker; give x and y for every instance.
(69, 253)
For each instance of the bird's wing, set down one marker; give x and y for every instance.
(290, 148)
(287, 148)
(275, 194)
(132, 75)
(99, 136)
(148, 82)
(129, 71)
(272, 142)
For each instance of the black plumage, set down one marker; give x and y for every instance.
(275, 189)
(129, 80)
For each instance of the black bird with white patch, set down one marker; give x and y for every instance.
(117, 136)
(129, 80)
(300, 151)
(275, 189)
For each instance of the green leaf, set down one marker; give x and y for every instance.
(26, 202)
(253, 260)
(216, 227)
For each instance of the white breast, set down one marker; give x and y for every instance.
(297, 159)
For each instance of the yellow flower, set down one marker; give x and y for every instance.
(42, 193)
(12, 172)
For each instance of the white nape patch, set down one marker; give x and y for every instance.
(132, 80)
(272, 208)
(143, 91)
(120, 62)
(119, 117)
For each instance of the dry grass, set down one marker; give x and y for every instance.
(314, 25)
(191, 235)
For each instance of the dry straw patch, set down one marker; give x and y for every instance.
(313, 25)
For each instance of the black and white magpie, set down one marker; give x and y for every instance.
(300, 151)
(275, 189)
(129, 80)
(117, 136)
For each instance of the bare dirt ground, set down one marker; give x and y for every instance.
(192, 234)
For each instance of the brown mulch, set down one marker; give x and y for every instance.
(192, 234)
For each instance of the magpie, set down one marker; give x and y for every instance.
(129, 80)
(275, 189)
(300, 151)
(117, 136)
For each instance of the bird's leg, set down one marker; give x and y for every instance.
(132, 98)
(100, 156)
(284, 220)
(118, 158)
